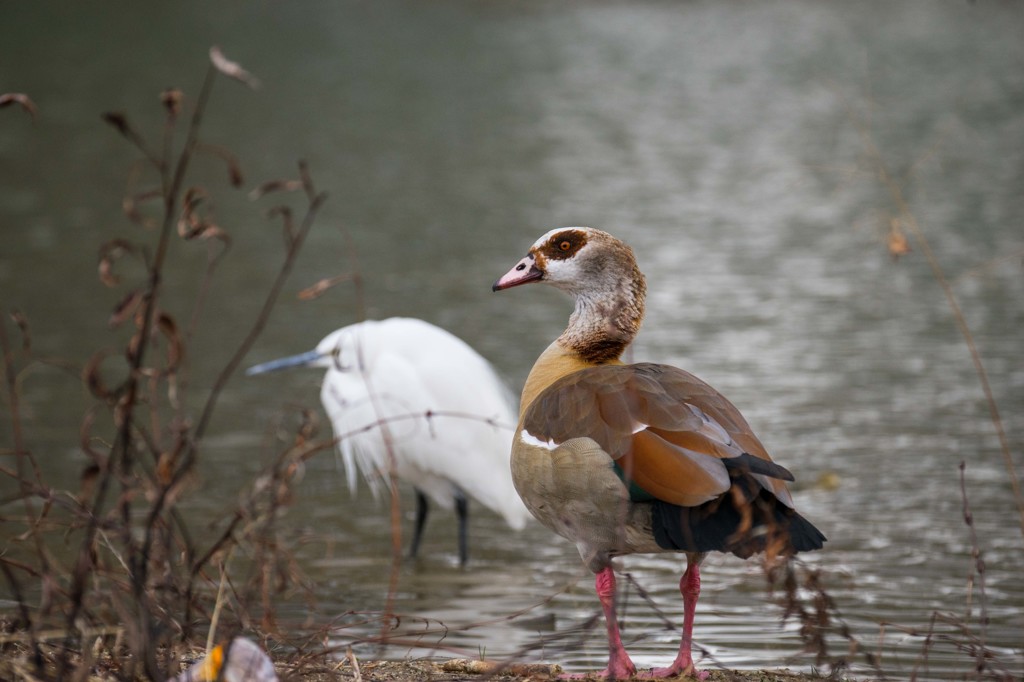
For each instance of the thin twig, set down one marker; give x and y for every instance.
(977, 569)
(215, 618)
(23, 456)
(910, 221)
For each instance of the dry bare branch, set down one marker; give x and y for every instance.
(907, 219)
(119, 121)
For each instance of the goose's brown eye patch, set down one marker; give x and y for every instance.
(565, 244)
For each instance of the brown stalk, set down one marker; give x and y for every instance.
(908, 219)
(24, 459)
(121, 451)
(395, 502)
(977, 571)
(191, 451)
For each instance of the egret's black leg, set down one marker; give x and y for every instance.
(421, 519)
(462, 512)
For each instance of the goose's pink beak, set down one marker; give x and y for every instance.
(524, 272)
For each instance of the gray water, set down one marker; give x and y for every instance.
(724, 141)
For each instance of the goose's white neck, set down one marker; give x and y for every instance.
(607, 316)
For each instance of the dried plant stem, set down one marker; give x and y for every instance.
(264, 315)
(137, 560)
(215, 618)
(396, 540)
(121, 452)
(358, 675)
(23, 456)
(247, 343)
(977, 572)
(910, 221)
(30, 626)
(357, 277)
(395, 502)
(295, 245)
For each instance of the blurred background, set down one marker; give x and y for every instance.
(730, 143)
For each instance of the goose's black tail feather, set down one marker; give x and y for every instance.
(746, 520)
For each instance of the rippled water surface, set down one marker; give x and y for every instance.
(729, 143)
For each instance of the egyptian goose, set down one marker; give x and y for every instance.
(405, 395)
(622, 459)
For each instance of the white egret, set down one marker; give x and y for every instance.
(407, 397)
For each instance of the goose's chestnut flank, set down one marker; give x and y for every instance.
(641, 458)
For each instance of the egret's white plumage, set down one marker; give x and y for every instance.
(406, 389)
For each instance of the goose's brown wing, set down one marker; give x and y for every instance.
(671, 434)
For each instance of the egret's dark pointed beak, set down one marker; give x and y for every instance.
(303, 360)
(524, 272)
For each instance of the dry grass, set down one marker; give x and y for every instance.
(17, 667)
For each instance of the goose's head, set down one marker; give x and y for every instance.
(578, 260)
(601, 273)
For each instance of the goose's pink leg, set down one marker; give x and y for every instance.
(689, 587)
(620, 667)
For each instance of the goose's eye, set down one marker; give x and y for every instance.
(565, 244)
